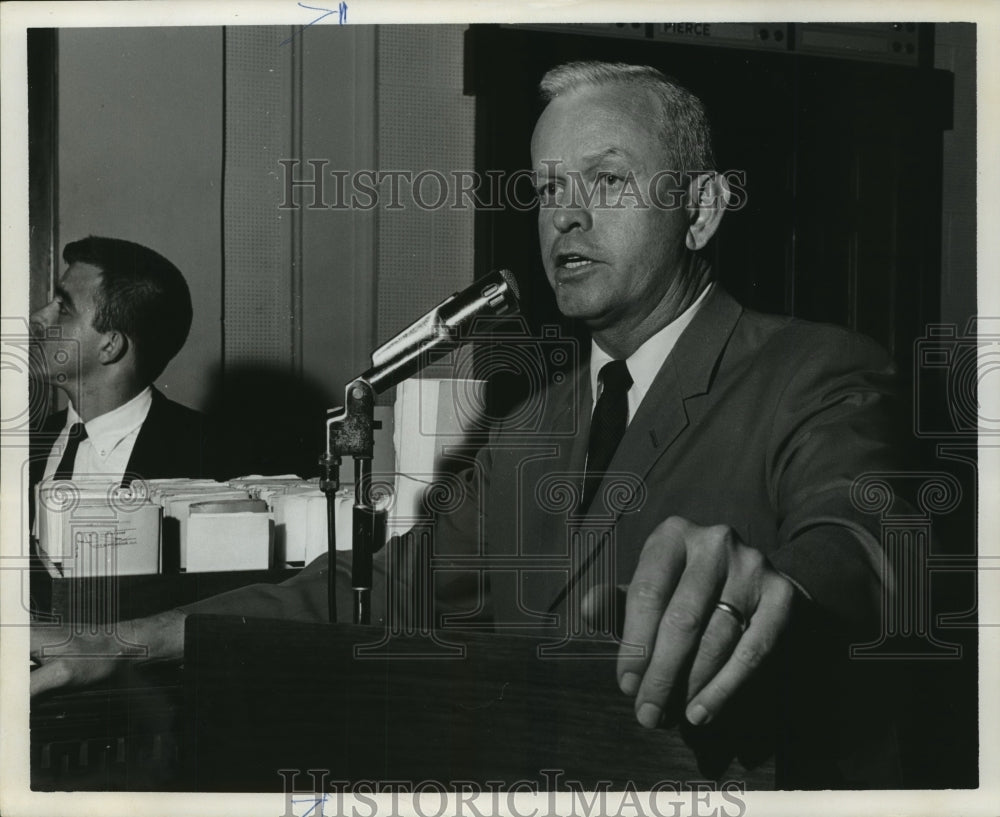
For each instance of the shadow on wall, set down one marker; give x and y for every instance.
(270, 421)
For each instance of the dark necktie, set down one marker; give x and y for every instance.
(77, 434)
(607, 426)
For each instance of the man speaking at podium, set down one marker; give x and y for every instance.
(745, 430)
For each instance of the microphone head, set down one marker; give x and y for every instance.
(511, 282)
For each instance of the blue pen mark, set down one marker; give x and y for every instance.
(314, 800)
(340, 11)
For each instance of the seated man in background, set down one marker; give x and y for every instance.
(746, 431)
(119, 314)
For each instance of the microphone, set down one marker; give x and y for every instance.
(439, 331)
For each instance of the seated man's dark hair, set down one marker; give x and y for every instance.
(142, 295)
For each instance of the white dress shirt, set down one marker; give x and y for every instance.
(110, 440)
(645, 362)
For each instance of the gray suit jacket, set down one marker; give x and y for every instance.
(758, 422)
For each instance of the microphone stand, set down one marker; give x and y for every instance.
(351, 432)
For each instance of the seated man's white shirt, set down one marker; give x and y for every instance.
(645, 362)
(110, 440)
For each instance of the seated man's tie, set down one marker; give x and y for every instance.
(77, 434)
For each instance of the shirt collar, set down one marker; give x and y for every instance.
(110, 428)
(645, 362)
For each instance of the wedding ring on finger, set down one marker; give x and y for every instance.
(734, 612)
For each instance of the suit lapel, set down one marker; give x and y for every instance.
(661, 418)
(147, 450)
(686, 373)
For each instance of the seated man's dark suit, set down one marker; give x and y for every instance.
(174, 441)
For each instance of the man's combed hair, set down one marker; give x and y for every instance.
(141, 295)
(682, 115)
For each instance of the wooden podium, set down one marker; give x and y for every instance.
(265, 695)
(260, 700)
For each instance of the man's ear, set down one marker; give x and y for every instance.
(114, 346)
(707, 197)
